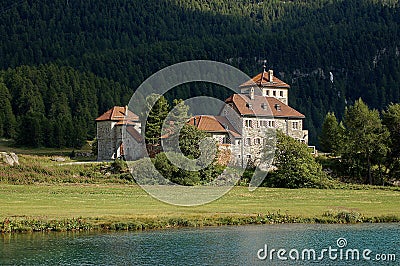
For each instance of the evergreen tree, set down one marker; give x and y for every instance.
(332, 134)
(67, 99)
(83, 35)
(391, 119)
(60, 122)
(179, 115)
(7, 118)
(155, 119)
(365, 139)
(31, 130)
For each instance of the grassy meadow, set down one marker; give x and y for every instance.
(127, 201)
(102, 206)
(45, 195)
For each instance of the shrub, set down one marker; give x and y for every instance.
(296, 167)
(118, 166)
(174, 173)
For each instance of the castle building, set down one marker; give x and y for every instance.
(241, 129)
(246, 118)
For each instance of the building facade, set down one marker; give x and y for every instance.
(110, 129)
(243, 129)
(253, 115)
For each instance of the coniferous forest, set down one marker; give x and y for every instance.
(64, 62)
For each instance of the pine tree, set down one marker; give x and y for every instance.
(157, 114)
(177, 118)
(7, 118)
(31, 129)
(331, 137)
(391, 119)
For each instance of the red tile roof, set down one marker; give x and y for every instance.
(215, 124)
(262, 80)
(261, 106)
(134, 133)
(118, 113)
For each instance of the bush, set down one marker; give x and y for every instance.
(144, 173)
(119, 166)
(296, 167)
(173, 172)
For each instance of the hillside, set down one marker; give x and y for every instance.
(119, 43)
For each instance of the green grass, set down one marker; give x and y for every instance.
(41, 194)
(108, 206)
(8, 145)
(35, 169)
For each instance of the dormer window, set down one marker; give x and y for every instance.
(248, 105)
(264, 106)
(277, 107)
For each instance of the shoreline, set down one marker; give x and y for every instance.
(27, 225)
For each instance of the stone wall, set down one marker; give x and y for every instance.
(107, 140)
(132, 149)
(224, 154)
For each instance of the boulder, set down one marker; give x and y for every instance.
(15, 158)
(9, 159)
(58, 159)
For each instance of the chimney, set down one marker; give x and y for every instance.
(126, 115)
(251, 93)
(271, 75)
(262, 75)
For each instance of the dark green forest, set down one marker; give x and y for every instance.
(63, 62)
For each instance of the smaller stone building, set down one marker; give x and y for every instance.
(110, 129)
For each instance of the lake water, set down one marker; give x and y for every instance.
(230, 245)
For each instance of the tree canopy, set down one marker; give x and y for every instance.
(332, 134)
(365, 137)
(330, 52)
(391, 120)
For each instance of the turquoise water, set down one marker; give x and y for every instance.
(207, 246)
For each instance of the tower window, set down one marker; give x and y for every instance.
(248, 141)
(271, 123)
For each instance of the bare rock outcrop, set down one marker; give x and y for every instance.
(9, 158)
